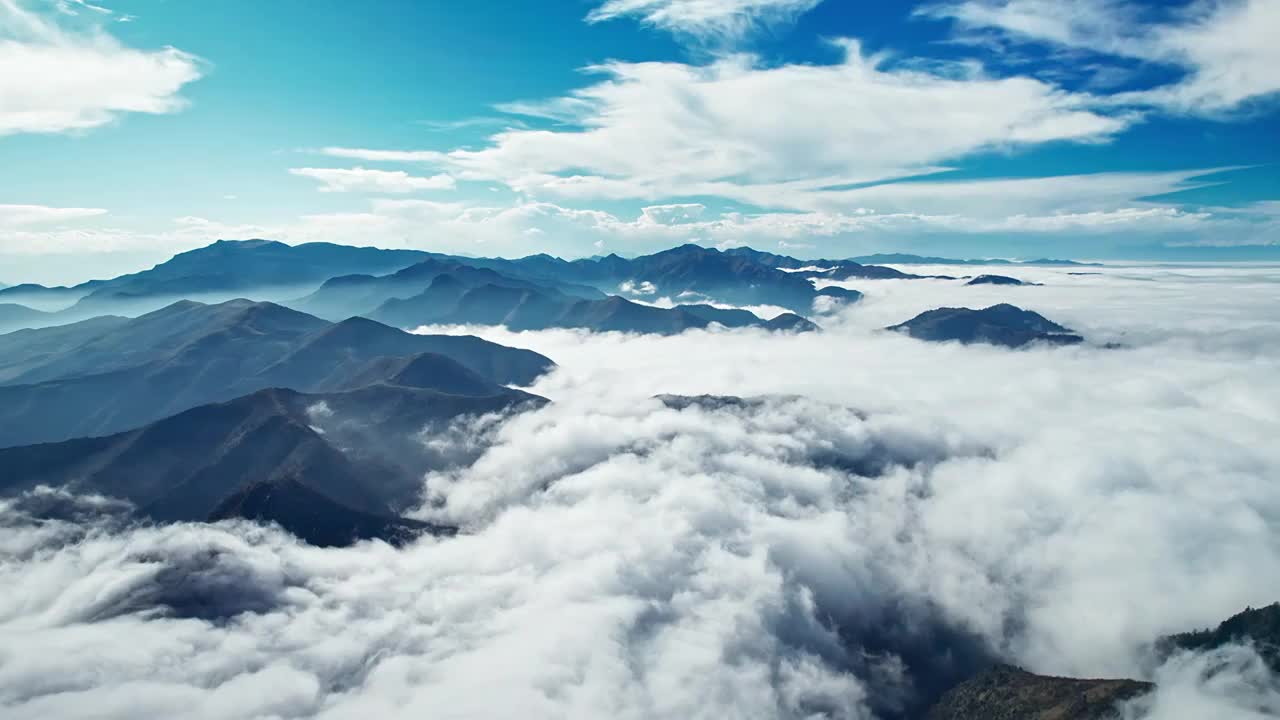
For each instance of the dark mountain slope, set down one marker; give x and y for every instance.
(1259, 626)
(329, 467)
(1001, 324)
(1008, 693)
(317, 519)
(843, 294)
(997, 280)
(195, 354)
(180, 468)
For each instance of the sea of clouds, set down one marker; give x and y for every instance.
(877, 516)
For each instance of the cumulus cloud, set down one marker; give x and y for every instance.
(881, 505)
(705, 19)
(1225, 47)
(56, 78)
(359, 179)
(663, 129)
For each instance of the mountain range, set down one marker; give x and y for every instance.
(909, 259)
(447, 292)
(399, 287)
(111, 374)
(225, 267)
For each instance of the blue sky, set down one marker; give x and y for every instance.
(131, 129)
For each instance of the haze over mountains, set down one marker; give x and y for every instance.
(399, 287)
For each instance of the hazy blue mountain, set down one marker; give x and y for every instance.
(997, 280)
(1051, 261)
(349, 295)
(316, 463)
(235, 265)
(1001, 324)
(316, 518)
(15, 317)
(735, 277)
(910, 259)
(847, 270)
(48, 299)
(223, 270)
(345, 281)
(137, 371)
(24, 350)
(450, 300)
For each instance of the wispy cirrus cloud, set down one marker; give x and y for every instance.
(705, 19)
(360, 179)
(12, 216)
(1226, 49)
(668, 129)
(370, 155)
(55, 78)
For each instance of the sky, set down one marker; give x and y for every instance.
(1106, 129)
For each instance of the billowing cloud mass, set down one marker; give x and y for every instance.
(86, 77)
(360, 179)
(815, 552)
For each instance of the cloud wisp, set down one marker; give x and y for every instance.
(360, 179)
(720, 21)
(1224, 48)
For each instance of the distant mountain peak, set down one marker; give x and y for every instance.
(1001, 324)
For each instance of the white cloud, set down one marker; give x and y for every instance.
(12, 216)
(368, 155)
(54, 79)
(1226, 47)
(359, 179)
(676, 214)
(742, 130)
(724, 19)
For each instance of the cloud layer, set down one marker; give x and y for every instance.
(787, 557)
